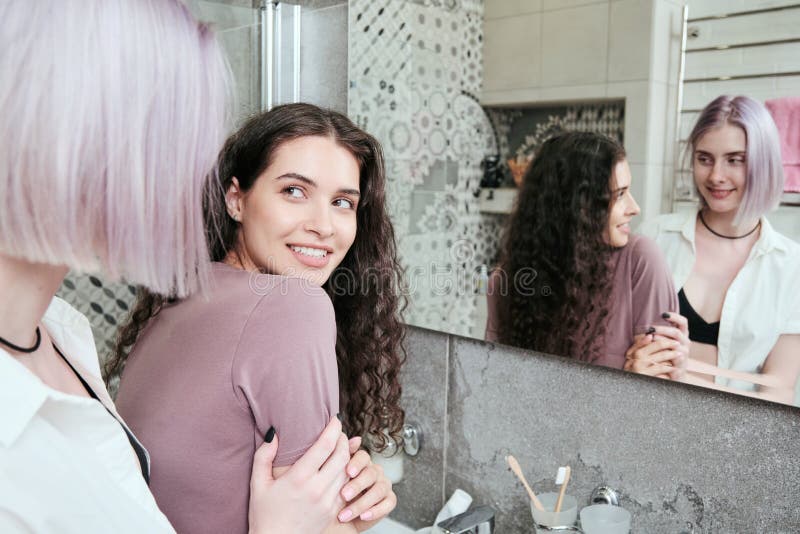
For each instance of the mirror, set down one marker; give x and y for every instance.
(454, 89)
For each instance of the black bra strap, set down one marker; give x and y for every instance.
(137, 448)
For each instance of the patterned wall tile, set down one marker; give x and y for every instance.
(440, 137)
(105, 304)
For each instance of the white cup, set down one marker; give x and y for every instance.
(605, 519)
(548, 518)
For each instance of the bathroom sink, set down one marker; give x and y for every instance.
(390, 526)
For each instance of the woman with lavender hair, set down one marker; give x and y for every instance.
(739, 279)
(111, 115)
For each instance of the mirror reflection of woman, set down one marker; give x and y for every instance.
(573, 280)
(738, 277)
(304, 275)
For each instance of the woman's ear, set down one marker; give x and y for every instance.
(234, 200)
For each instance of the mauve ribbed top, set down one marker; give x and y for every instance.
(210, 375)
(642, 289)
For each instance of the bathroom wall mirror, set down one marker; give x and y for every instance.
(444, 84)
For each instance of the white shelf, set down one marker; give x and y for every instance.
(497, 200)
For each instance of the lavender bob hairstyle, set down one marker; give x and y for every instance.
(764, 180)
(111, 116)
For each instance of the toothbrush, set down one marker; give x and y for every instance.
(517, 470)
(562, 479)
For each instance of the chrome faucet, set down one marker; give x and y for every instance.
(479, 520)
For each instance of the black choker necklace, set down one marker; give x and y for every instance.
(702, 220)
(23, 349)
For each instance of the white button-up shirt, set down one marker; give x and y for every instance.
(66, 465)
(762, 302)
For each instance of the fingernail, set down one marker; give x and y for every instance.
(339, 417)
(665, 315)
(345, 515)
(650, 330)
(366, 516)
(348, 494)
(270, 436)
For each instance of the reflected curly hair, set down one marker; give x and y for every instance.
(364, 288)
(554, 238)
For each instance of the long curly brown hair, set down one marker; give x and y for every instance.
(554, 262)
(364, 288)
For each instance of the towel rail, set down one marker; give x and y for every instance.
(743, 77)
(744, 13)
(743, 45)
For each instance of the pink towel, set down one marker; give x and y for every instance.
(786, 114)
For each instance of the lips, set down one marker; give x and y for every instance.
(624, 227)
(719, 194)
(314, 256)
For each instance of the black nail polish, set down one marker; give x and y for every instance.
(665, 315)
(270, 435)
(650, 330)
(339, 417)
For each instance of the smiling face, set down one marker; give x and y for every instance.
(719, 166)
(299, 218)
(623, 206)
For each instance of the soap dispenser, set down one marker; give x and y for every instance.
(390, 458)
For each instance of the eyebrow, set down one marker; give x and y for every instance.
(617, 190)
(735, 153)
(312, 183)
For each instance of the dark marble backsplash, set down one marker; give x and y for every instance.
(682, 457)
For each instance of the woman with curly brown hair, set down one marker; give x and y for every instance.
(302, 323)
(572, 279)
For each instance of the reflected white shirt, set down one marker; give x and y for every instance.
(66, 465)
(762, 302)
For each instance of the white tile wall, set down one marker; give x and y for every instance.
(646, 179)
(659, 115)
(512, 97)
(785, 220)
(629, 40)
(575, 45)
(224, 17)
(493, 9)
(687, 122)
(636, 105)
(511, 57)
(550, 5)
(573, 92)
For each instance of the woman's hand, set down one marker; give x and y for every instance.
(650, 356)
(662, 351)
(369, 493)
(306, 497)
(680, 333)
